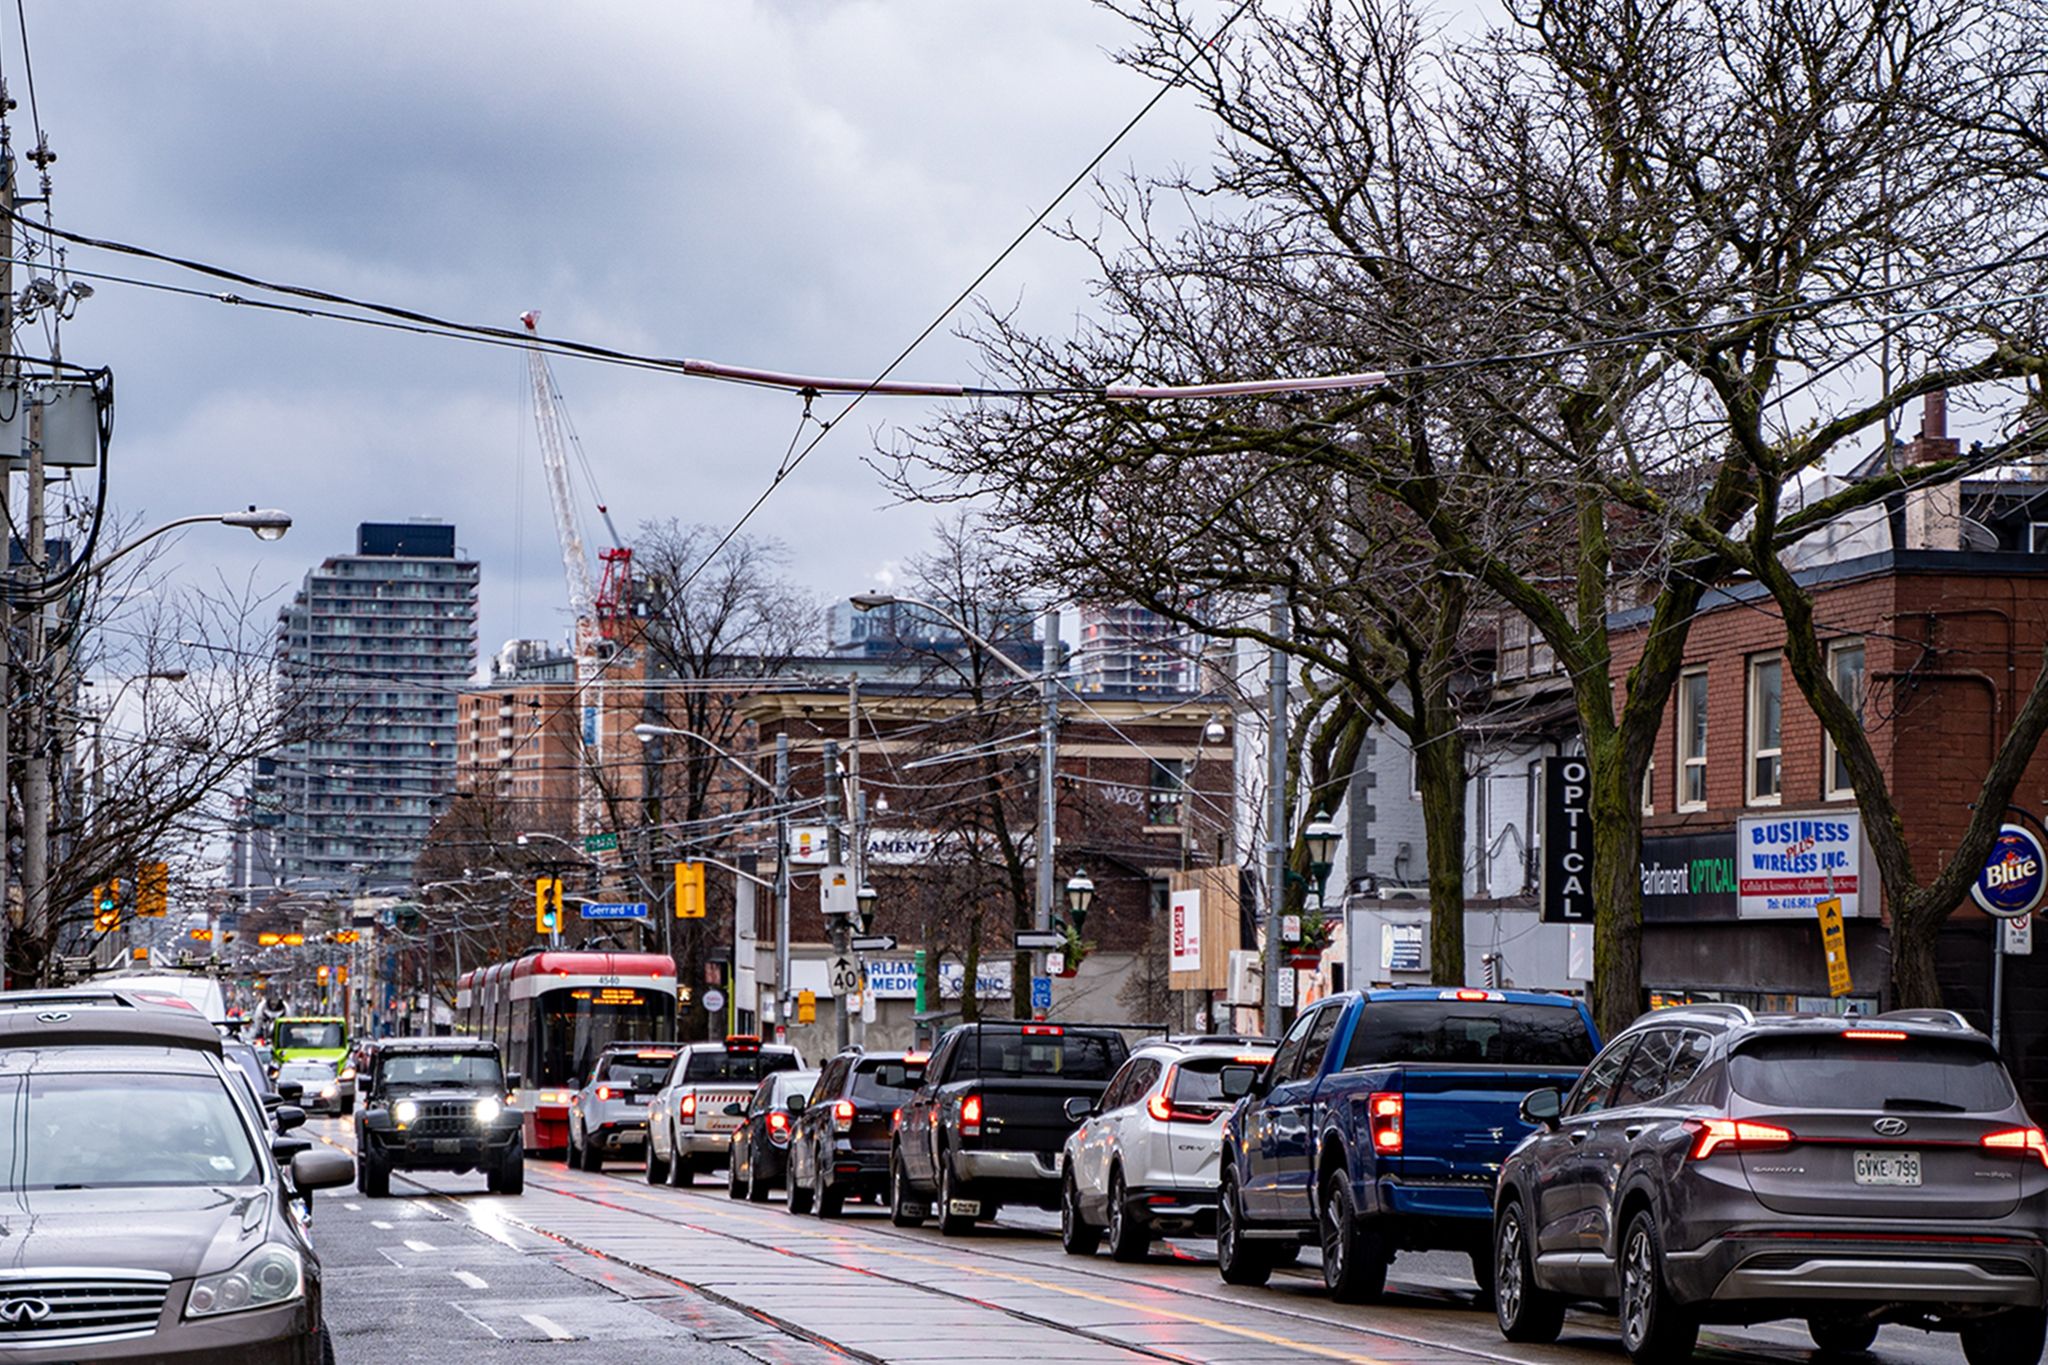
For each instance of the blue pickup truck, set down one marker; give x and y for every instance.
(1380, 1126)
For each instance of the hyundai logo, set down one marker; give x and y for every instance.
(1890, 1127)
(23, 1312)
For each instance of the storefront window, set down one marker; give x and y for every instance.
(1766, 696)
(1169, 786)
(1692, 740)
(1845, 670)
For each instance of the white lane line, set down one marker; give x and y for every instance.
(353, 1208)
(380, 1226)
(553, 1329)
(418, 1245)
(472, 1280)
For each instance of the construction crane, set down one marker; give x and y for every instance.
(598, 613)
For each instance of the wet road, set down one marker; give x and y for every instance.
(638, 1256)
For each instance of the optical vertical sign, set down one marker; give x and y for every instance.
(1834, 941)
(1567, 841)
(689, 891)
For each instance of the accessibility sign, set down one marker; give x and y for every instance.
(616, 910)
(1041, 992)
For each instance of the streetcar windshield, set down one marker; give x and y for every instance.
(577, 1024)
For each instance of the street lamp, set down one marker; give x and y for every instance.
(866, 896)
(647, 733)
(1321, 837)
(1080, 895)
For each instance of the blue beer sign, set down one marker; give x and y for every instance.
(2015, 874)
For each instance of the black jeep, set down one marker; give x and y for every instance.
(437, 1104)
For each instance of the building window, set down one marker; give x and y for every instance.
(1692, 740)
(1845, 671)
(1766, 698)
(1650, 787)
(2037, 537)
(1169, 786)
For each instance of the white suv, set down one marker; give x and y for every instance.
(688, 1130)
(1143, 1163)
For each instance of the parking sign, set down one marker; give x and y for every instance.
(1041, 992)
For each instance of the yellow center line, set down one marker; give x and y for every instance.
(1193, 1319)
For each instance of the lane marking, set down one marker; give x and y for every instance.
(418, 1245)
(474, 1281)
(552, 1328)
(380, 1225)
(353, 1208)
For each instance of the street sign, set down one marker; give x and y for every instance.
(714, 1000)
(1039, 940)
(844, 975)
(2016, 937)
(601, 843)
(616, 910)
(2015, 875)
(1041, 992)
(877, 943)
(1835, 940)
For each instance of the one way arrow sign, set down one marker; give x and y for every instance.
(878, 943)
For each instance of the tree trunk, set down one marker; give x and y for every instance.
(1440, 777)
(1615, 804)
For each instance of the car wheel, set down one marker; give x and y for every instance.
(733, 1188)
(1078, 1237)
(1841, 1336)
(1525, 1312)
(377, 1179)
(1655, 1330)
(326, 1346)
(799, 1194)
(593, 1155)
(2010, 1338)
(904, 1211)
(657, 1169)
(952, 1224)
(682, 1169)
(1238, 1259)
(1129, 1238)
(362, 1167)
(512, 1174)
(1354, 1257)
(829, 1202)
(758, 1188)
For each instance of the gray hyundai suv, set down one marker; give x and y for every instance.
(1717, 1166)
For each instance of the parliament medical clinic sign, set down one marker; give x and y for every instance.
(2015, 874)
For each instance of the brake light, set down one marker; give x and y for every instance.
(1469, 995)
(1383, 1114)
(655, 1056)
(1253, 1059)
(742, 1042)
(1043, 1030)
(1874, 1035)
(916, 1058)
(604, 1092)
(895, 1118)
(778, 1122)
(2029, 1140)
(1735, 1135)
(842, 1116)
(970, 1116)
(688, 1108)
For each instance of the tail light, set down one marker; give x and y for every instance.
(970, 1116)
(1734, 1135)
(2027, 1140)
(688, 1108)
(1162, 1107)
(895, 1118)
(842, 1116)
(916, 1058)
(1874, 1035)
(778, 1126)
(604, 1092)
(1043, 1031)
(1383, 1112)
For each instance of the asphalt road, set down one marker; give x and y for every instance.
(590, 1267)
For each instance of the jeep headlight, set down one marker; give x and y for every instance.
(488, 1109)
(405, 1111)
(270, 1275)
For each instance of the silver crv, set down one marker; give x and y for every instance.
(1714, 1166)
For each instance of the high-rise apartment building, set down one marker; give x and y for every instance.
(381, 642)
(1126, 648)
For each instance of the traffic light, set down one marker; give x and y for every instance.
(269, 940)
(689, 891)
(202, 935)
(294, 940)
(106, 906)
(547, 905)
(321, 974)
(153, 890)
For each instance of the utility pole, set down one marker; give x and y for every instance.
(7, 568)
(1048, 784)
(35, 786)
(783, 995)
(835, 858)
(1276, 817)
(857, 810)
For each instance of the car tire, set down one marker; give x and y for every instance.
(1078, 1237)
(1525, 1312)
(733, 1188)
(1239, 1260)
(950, 1223)
(377, 1179)
(799, 1195)
(1354, 1255)
(904, 1210)
(1129, 1238)
(1482, 1274)
(828, 1201)
(758, 1188)
(1841, 1336)
(657, 1169)
(326, 1345)
(2008, 1338)
(512, 1172)
(1655, 1329)
(681, 1168)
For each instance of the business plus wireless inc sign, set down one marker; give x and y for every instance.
(1785, 865)
(2015, 874)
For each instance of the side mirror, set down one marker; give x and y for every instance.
(1238, 1081)
(289, 1116)
(512, 1079)
(291, 1092)
(795, 1104)
(322, 1168)
(287, 1149)
(735, 1110)
(1079, 1108)
(1540, 1108)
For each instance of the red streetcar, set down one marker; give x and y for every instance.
(552, 1013)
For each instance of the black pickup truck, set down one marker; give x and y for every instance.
(986, 1126)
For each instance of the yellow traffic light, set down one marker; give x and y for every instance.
(268, 940)
(321, 974)
(153, 890)
(294, 940)
(202, 935)
(547, 905)
(689, 891)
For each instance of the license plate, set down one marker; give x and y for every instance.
(1887, 1168)
(455, 1145)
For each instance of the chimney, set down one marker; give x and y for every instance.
(1934, 518)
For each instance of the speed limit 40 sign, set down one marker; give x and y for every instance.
(845, 976)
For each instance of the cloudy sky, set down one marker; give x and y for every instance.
(797, 185)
